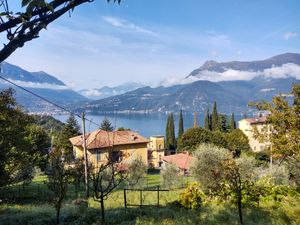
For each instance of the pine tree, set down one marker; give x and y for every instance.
(232, 124)
(180, 126)
(214, 118)
(106, 125)
(207, 120)
(70, 129)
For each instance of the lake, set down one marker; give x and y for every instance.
(145, 124)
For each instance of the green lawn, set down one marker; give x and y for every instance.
(39, 212)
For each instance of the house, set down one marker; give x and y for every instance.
(182, 161)
(156, 150)
(120, 146)
(248, 125)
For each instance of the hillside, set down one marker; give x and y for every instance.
(40, 83)
(263, 79)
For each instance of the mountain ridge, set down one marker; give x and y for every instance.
(41, 83)
(231, 95)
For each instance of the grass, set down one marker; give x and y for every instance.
(40, 212)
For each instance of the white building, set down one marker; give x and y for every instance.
(248, 125)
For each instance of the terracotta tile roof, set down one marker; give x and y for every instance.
(181, 160)
(262, 119)
(103, 139)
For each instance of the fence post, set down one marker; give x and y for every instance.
(125, 202)
(158, 195)
(141, 198)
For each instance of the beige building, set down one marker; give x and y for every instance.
(156, 151)
(120, 146)
(248, 125)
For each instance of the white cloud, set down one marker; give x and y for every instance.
(283, 71)
(37, 85)
(289, 35)
(92, 93)
(175, 81)
(124, 24)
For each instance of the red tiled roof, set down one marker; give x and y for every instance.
(262, 119)
(103, 139)
(181, 160)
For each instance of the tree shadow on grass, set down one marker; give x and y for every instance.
(208, 215)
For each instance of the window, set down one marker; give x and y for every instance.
(116, 156)
(98, 155)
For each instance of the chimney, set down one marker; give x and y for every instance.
(195, 120)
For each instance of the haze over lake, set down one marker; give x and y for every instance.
(145, 124)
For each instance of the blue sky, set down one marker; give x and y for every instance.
(150, 41)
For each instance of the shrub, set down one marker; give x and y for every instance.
(191, 197)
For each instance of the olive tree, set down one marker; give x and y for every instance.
(136, 171)
(222, 175)
(170, 175)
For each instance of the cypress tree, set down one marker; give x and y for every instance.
(172, 140)
(222, 123)
(168, 132)
(207, 121)
(232, 124)
(214, 118)
(180, 126)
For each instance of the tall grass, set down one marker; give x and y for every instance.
(40, 212)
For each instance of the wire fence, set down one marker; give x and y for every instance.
(39, 192)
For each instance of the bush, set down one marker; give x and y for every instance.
(191, 197)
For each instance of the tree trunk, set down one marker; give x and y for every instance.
(57, 215)
(102, 210)
(239, 202)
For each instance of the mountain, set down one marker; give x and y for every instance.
(105, 92)
(276, 75)
(40, 83)
(252, 66)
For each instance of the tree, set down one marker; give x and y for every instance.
(136, 171)
(207, 122)
(105, 179)
(25, 26)
(237, 142)
(106, 125)
(222, 175)
(170, 175)
(180, 125)
(170, 133)
(48, 123)
(214, 118)
(193, 137)
(58, 180)
(22, 144)
(70, 129)
(77, 173)
(232, 123)
(284, 121)
(222, 119)
(123, 129)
